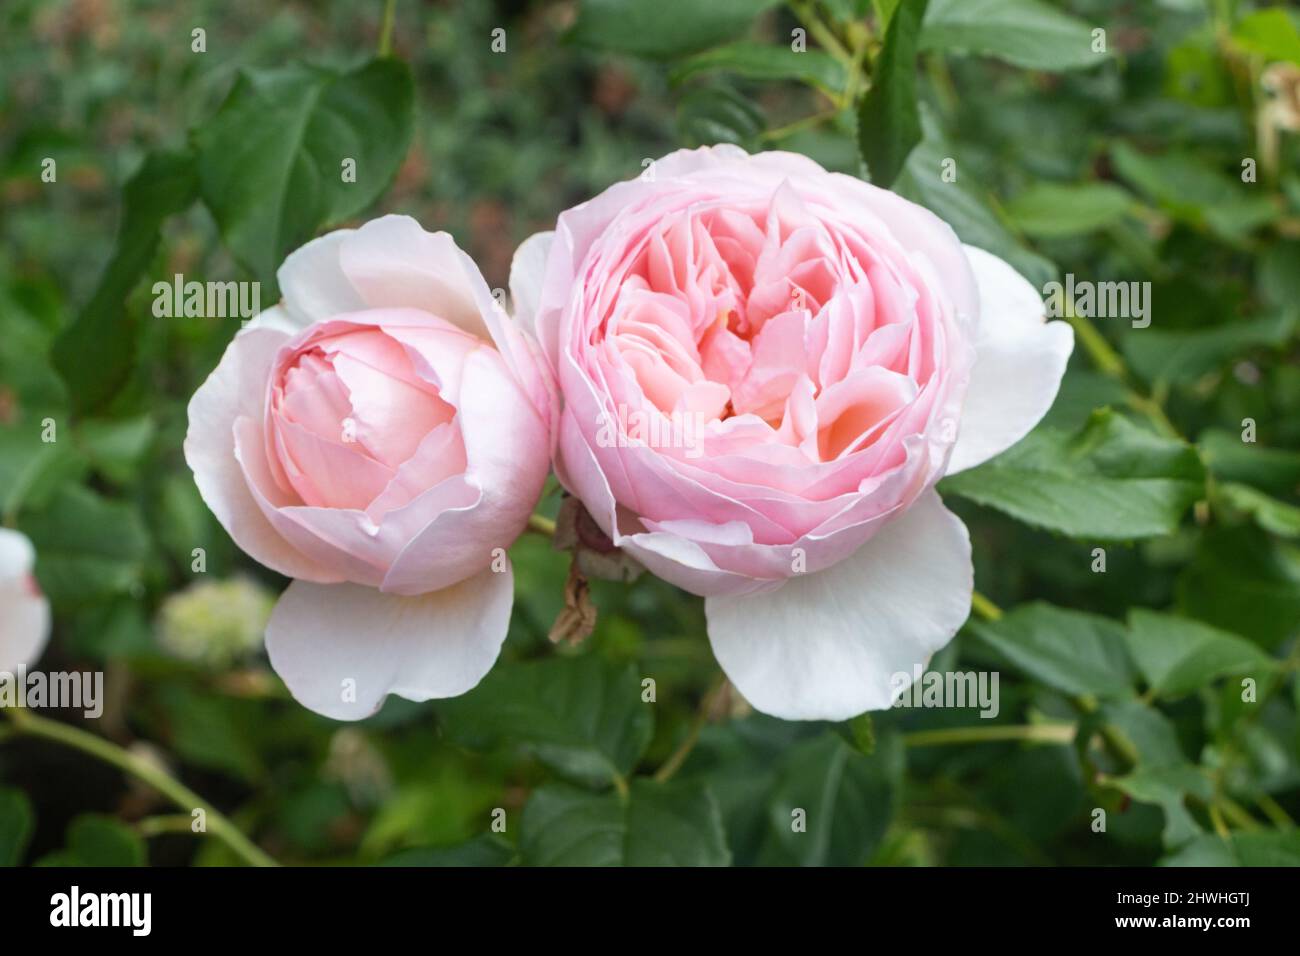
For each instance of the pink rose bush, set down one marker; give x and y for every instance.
(24, 611)
(765, 368)
(380, 437)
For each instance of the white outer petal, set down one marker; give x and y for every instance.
(277, 318)
(433, 645)
(527, 270)
(1019, 361)
(825, 646)
(312, 281)
(24, 612)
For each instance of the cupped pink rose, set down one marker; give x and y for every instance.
(765, 368)
(381, 437)
(24, 611)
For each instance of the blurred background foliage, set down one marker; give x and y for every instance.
(1120, 691)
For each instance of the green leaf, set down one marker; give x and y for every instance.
(962, 205)
(1052, 210)
(1180, 356)
(829, 804)
(1240, 849)
(718, 114)
(96, 353)
(95, 840)
(270, 160)
(1150, 735)
(845, 10)
(1074, 652)
(862, 733)
(1278, 517)
(1243, 582)
(1178, 656)
(16, 822)
(889, 125)
(1112, 480)
(117, 448)
(657, 824)
(486, 849)
(762, 61)
(25, 368)
(1271, 34)
(662, 28)
(1024, 33)
(32, 471)
(1195, 192)
(87, 547)
(213, 731)
(1230, 458)
(582, 716)
(1167, 788)
(885, 11)
(116, 629)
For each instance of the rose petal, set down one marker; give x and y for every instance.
(1020, 359)
(825, 646)
(313, 283)
(507, 451)
(527, 270)
(320, 637)
(236, 390)
(393, 263)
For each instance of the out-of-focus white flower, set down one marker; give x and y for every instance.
(215, 622)
(24, 612)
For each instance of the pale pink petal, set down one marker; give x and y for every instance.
(826, 646)
(527, 272)
(507, 451)
(342, 648)
(236, 390)
(393, 263)
(312, 281)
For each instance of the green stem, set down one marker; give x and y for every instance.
(28, 724)
(1220, 827)
(1237, 813)
(678, 756)
(1051, 733)
(984, 608)
(174, 823)
(1107, 360)
(807, 122)
(386, 28)
(621, 786)
(820, 32)
(540, 524)
(1274, 811)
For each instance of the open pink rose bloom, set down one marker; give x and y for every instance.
(765, 368)
(381, 437)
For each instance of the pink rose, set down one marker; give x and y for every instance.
(24, 612)
(765, 369)
(381, 436)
